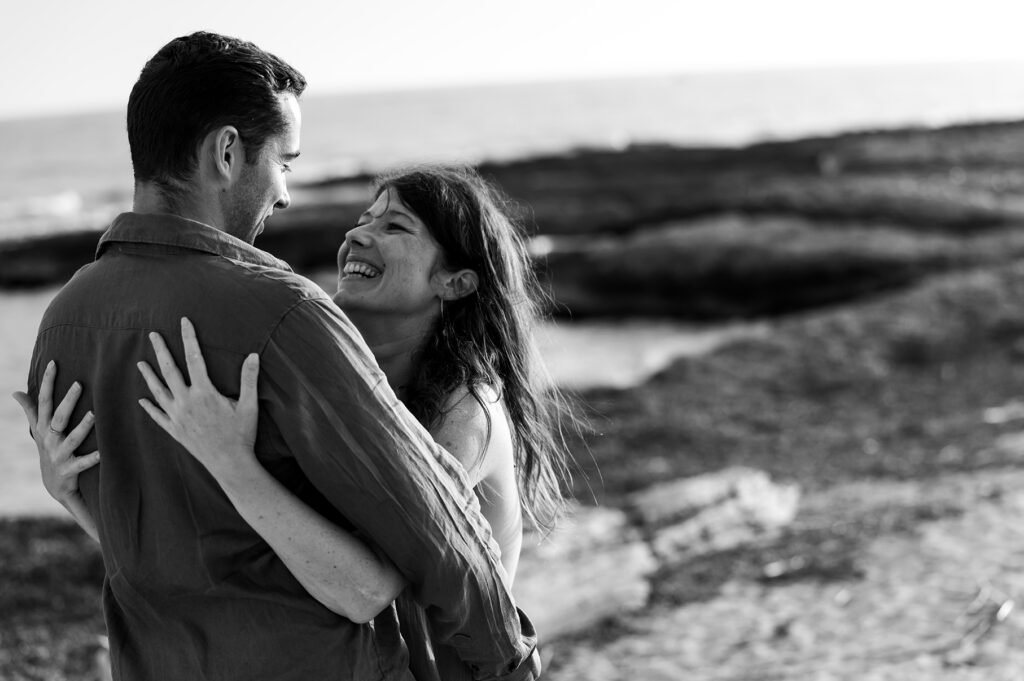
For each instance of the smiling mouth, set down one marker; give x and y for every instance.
(361, 269)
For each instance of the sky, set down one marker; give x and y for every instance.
(61, 56)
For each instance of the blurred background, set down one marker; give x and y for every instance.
(782, 241)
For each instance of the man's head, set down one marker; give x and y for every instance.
(216, 116)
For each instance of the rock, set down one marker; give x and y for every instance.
(47, 259)
(714, 512)
(661, 504)
(597, 564)
(931, 604)
(1010, 445)
(735, 265)
(592, 567)
(101, 660)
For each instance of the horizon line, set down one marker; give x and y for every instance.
(357, 89)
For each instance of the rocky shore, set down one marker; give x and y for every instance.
(704, 233)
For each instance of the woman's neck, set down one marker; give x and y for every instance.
(394, 343)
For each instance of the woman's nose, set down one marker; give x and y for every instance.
(359, 236)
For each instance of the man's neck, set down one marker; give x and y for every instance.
(149, 198)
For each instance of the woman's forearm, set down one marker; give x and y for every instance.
(335, 567)
(76, 507)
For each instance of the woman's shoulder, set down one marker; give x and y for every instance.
(474, 428)
(466, 399)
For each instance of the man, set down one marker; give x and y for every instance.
(191, 592)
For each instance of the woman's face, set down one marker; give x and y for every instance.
(389, 262)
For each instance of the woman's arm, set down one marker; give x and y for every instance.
(58, 464)
(337, 569)
(477, 433)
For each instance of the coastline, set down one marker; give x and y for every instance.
(701, 233)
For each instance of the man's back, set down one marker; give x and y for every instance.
(192, 591)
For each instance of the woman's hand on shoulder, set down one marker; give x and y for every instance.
(58, 464)
(218, 431)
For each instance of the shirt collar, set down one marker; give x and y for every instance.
(171, 230)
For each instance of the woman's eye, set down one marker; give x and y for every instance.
(398, 227)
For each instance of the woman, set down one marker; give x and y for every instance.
(437, 279)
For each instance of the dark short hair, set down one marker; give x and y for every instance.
(196, 84)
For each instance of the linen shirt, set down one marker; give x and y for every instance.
(191, 591)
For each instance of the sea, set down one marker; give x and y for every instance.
(68, 172)
(73, 171)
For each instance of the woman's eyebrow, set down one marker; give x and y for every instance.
(401, 213)
(393, 212)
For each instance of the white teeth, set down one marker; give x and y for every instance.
(362, 269)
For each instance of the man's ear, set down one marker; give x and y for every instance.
(223, 153)
(456, 285)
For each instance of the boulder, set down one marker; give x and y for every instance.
(593, 566)
(713, 512)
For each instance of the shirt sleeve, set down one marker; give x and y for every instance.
(374, 462)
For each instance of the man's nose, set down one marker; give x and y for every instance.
(283, 201)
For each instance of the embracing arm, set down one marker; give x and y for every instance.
(370, 458)
(57, 461)
(335, 567)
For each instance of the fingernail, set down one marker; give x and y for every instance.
(89, 415)
(76, 386)
(51, 364)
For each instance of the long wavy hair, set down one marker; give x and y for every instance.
(486, 339)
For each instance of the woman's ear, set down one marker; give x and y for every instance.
(456, 285)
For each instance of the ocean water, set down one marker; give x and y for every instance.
(68, 172)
